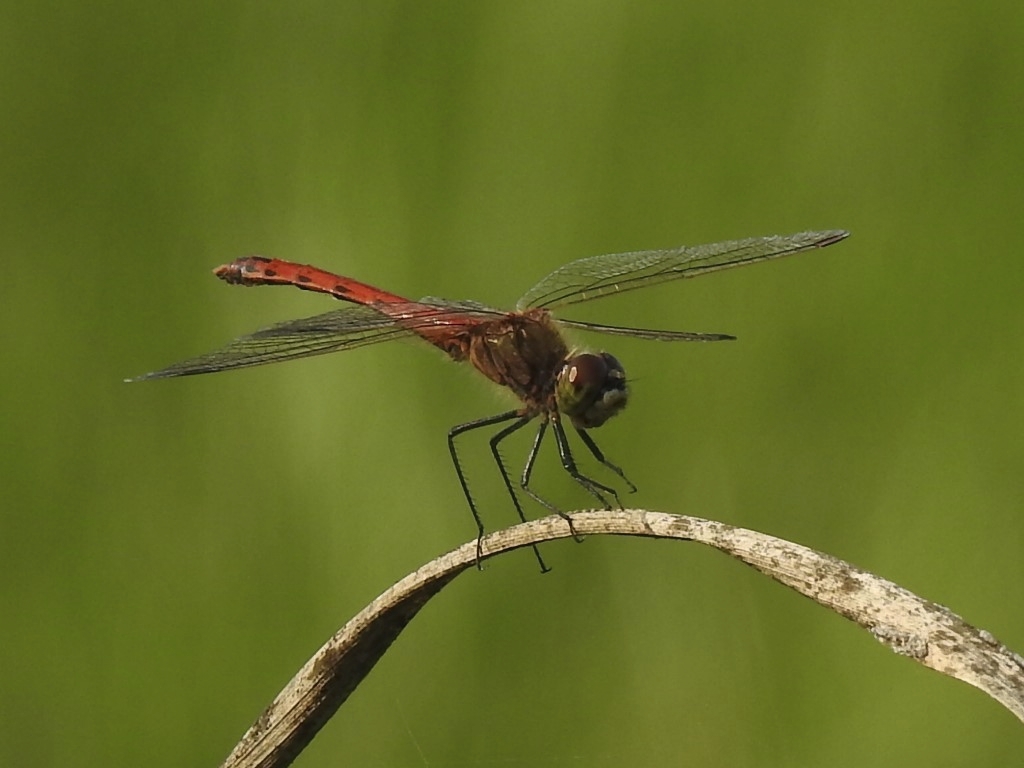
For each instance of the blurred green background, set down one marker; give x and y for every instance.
(171, 552)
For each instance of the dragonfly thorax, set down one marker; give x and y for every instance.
(591, 388)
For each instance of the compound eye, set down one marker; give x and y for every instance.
(591, 388)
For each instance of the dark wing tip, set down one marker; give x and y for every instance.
(832, 236)
(149, 376)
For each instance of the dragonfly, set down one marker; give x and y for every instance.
(524, 350)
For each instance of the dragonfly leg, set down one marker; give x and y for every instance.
(524, 480)
(595, 488)
(477, 424)
(517, 425)
(599, 455)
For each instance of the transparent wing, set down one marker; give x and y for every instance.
(330, 332)
(646, 333)
(596, 276)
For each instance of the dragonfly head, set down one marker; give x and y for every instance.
(591, 388)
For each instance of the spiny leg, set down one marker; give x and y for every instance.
(595, 488)
(517, 425)
(455, 432)
(524, 480)
(599, 455)
(452, 434)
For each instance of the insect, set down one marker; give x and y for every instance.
(523, 350)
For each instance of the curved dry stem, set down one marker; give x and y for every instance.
(909, 625)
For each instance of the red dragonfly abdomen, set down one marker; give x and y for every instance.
(259, 270)
(444, 328)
